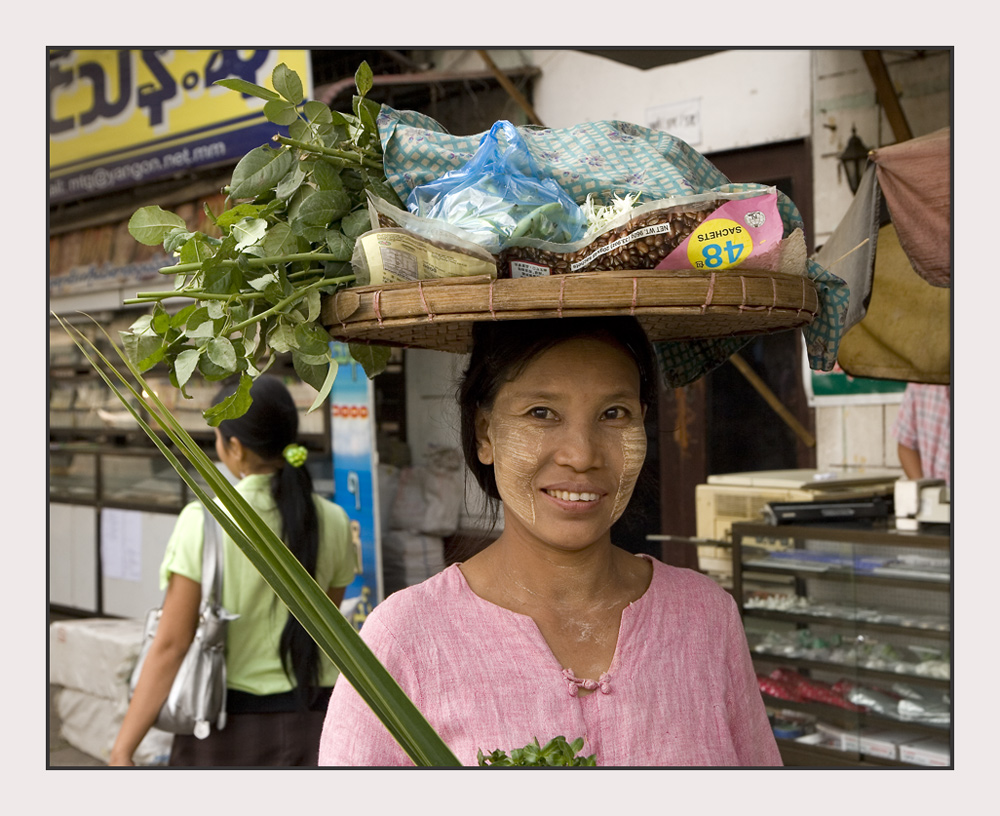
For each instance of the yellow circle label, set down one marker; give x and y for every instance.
(719, 243)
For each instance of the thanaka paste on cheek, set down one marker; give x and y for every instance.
(633, 455)
(516, 449)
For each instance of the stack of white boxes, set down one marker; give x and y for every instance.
(90, 662)
(423, 509)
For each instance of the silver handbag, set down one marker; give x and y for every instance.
(197, 698)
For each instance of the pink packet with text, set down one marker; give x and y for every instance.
(731, 235)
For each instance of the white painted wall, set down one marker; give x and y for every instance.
(743, 97)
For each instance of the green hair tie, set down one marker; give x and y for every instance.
(295, 455)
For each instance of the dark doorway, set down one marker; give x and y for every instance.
(722, 424)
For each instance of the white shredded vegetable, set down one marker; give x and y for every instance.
(599, 216)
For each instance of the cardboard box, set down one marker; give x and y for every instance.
(91, 660)
(839, 738)
(90, 724)
(821, 740)
(884, 744)
(934, 751)
(94, 655)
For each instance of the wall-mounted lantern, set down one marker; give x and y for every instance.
(854, 159)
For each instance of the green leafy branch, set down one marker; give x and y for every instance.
(286, 240)
(557, 753)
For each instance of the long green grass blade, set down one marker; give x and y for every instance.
(296, 588)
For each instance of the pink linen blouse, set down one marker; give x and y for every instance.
(680, 690)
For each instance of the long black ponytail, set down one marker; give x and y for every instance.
(267, 428)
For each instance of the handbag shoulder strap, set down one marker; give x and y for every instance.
(211, 563)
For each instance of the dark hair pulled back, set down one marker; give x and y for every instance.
(269, 425)
(503, 349)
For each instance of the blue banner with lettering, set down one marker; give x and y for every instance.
(120, 117)
(355, 478)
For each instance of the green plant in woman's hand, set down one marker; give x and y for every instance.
(286, 240)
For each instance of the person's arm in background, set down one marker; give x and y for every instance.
(910, 460)
(336, 594)
(178, 622)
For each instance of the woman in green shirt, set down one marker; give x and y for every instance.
(277, 680)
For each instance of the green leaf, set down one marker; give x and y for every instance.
(200, 324)
(356, 224)
(312, 339)
(161, 320)
(324, 207)
(141, 345)
(249, 88)
(339, 245)
(280, 240)
(153, 358)
(314, 303)
(310, 373)
(287, 83)
(185, 364)
(248, 232)
(335, 269)
(373, 359)
(313, 359)
(363, 78)
(280, 112)
(259, 171)
(261, 282)
(367, 112)
(291, 182)
(175, 239)
(317, 113)
(196, 249)
(300, 131)
(324, 389)
(325, 176)
(236, 214)
(281, 338)
(225, 279)
(212, 371)
(233, 406)
(277, 292)
(382, 189)
(181, 317)
(151, 225)
(221, 352)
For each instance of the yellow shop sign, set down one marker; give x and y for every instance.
(120, 117)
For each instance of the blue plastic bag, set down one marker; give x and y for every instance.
(500, 194)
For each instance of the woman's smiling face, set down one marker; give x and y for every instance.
(566, 441)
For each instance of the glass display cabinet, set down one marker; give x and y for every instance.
(849, 627)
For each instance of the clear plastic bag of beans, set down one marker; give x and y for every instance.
(683, 232)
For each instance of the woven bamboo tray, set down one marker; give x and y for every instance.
(670, 305)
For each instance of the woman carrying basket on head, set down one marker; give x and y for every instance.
(553, 630)
(278, 682)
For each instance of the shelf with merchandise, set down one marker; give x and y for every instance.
(854, 629)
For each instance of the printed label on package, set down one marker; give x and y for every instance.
(730, 236)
